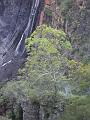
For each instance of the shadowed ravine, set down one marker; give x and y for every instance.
(17, 21)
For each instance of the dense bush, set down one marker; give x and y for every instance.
(78, 108)
(50, 77)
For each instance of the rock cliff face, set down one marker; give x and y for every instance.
(73, 16)
(78, 29)
(15, 17)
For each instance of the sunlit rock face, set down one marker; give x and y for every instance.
(14, 17)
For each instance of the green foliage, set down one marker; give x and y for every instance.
(41, 79)
(85, 78)
(3, 100)
(51, 79)
(46, 62)
(78, 108)
(65, 5)
(80, 77)
(49, 39)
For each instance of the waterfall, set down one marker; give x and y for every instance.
(29, 28)
(15, 47)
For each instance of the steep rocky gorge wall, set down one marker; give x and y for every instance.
(75, 19)
(73, 16)
(78, 29)
(14, 18)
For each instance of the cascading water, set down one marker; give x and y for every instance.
(20, 47)
(16, 47)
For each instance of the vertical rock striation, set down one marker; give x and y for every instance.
(17, 18)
